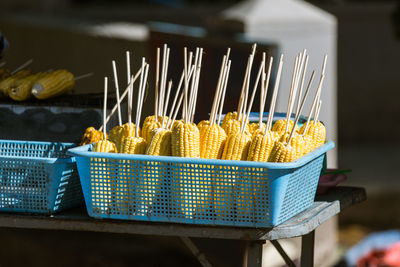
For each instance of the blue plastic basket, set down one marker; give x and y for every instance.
(197, 191)
(37, 177)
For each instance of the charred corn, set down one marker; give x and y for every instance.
(212, 141)
(53, 84)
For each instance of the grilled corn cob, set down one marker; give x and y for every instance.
(5, 84)
(104, 146)
(317, 131)
(160, 144)
(280, 126)
(212, 141)
(202, 124)
(21, 89)
(90, 136)
(115, 134)
(185, 140)
(261, 146)
(236, 146)
(125, 131)
(53, 84)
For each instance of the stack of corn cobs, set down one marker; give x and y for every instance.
(233, 138)
(21, 84)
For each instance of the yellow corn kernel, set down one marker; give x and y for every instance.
(254, 128)
(309, 143)
(261, 147)
(282, 153)
(317, 131)
(160, 144)
(53, 84)
(229, 116)
(185, 140)
(90, 136)
(127, 130)
(236, 146)
(212, 141)
(150, 124)
(233, 126)
(133, 145)
(104, 146)
(280, 126)
(202, 124)
(114, 135)
(297, 142)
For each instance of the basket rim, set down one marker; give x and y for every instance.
(68, 159)
(83, 151)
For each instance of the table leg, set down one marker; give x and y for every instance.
(254, 253)
(307, 250)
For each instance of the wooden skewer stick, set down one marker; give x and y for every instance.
(142, 90)
(128, 66)
(130, 97)
(318, 110)
(266, 85)
(322, 74)
(177, 92)
(291, 93)
(185, 103)
(193, 83)
(314, 104)
(177, 109)
(301, 106)
(157, 84)
(260, 71)
(24, 65)
(140, 97)
(166, 103)
(117, 92)
(162, 85)
(83, 76)
(221, 107)
(274, 96)
(114, 109)
(105, 108)
(197, 84)
(217, 96)
(218, 87)
(302, 84)
(262, 93)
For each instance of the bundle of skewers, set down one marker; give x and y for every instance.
(22, 84)
(231, 137)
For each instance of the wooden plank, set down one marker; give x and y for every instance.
(254, 253)
(307, 250)
(303, 223)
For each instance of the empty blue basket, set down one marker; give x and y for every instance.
(197, 191)
(37, 177)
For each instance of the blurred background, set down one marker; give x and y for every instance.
(361, 92)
